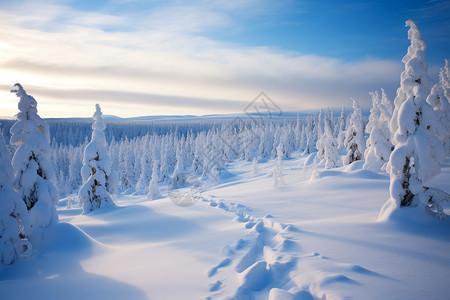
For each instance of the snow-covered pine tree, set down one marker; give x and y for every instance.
(341, 130)
(34, 173)
(146, 157)
(254, 167)
(321, 138)
(179, 176)
(418, 151)
(277, 172)
(310, 141)
(96, 171)
(444, 78)
(440, 104)
(379, 142)
(153, 188)
(330, 148)
(354, 137)
(14, 218)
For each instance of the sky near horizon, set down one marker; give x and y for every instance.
(140, 58)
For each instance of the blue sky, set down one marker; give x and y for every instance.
(200, 57)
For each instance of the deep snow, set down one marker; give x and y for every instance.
(316, 236)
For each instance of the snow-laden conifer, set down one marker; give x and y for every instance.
(96, 171)
(330, 148)
(254, 167)
(341, 131)
(34, 173)
(277, 172)
(379, 143)
(14, 218)
(153, 188)
(440, 104)
(354, 137)
(179, 175)
(418, 151)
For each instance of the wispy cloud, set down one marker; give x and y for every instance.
(158, 57)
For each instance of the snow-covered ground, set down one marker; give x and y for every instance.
(315, 237)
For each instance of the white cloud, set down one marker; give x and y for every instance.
(165, 62)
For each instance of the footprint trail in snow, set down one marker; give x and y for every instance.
(257, 264)
(267, 263)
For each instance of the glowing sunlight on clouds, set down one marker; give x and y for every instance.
(159, 63)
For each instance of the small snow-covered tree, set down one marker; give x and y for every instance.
(254, 167)
(277, 172)
(34, 173)
(330, 148)
(153, 188)
(379, 142)
(96, 171)
(179, 175)
(310, 140)
(321, 138)
(418, 151)
(341, 130)
(354, 138)
(14, 218)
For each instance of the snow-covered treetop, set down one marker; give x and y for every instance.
(99, 126)
(416, 67)
(27, 104)
(415, 84)
(27, 112)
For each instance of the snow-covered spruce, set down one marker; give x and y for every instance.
(34, 173)
(341, 129)
(330, 148)
(96, 172)
(418, 150)
(14, 219)
(354, 138)
(379, 142)
(153, 188)
(277, 172)
(444, 79)
(179, 175)
(439, 101)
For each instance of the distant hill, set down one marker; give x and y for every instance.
(162, 118)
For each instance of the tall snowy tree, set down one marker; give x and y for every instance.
(34, 173)
(354, 137)
(14, 219)
(96, 172)
(418, 151)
